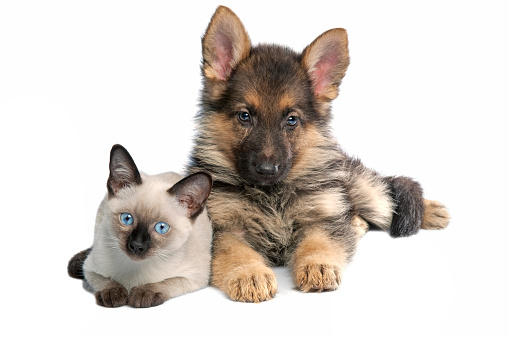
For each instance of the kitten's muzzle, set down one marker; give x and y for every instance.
(138, 248)
(138, 242)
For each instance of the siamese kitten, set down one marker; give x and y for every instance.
(152, 237)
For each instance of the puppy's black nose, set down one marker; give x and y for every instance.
(267, 168)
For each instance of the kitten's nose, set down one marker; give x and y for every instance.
(138, 248)
(138, 241)
(267, 168)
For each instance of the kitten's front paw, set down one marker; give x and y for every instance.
(144, 297)
(112, 297)
(253, 285)
(317, 277)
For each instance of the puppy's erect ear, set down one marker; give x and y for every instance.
(224, 44)
(192, 193)
(326, 60)
(123, 170)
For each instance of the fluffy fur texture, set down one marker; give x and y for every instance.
(135, 264)
(284, 192)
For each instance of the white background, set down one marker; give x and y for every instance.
(424, 96)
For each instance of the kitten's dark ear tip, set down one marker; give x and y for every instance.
(193, 192)
(205, 177)
(117, 147)
(123, 170)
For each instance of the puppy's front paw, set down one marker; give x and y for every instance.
(317, 277)
(435, 215)
(112, 297)
(142, 296)
(252, 285)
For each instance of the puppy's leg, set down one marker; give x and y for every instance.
(240, 271)
(318, 261)
(370, 195)
(394, 204)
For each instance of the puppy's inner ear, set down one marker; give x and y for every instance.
(224, 44)
(123, 170)
(326, 60)
(192, 193)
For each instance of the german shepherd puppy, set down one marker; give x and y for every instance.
(284, 192)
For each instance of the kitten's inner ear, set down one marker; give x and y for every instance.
(192, 193)
(123, 170)
(224, 44)
(326, 60)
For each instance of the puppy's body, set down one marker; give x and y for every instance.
(284, 192)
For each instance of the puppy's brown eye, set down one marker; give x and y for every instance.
(244, 116)
(292, 121)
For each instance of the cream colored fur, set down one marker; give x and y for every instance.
(186, 253)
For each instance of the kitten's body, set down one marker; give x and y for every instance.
(191, 260)
(172, 263)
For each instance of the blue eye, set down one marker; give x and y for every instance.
(292, 121)
(162, 228)
(244, 116)
(127, 218)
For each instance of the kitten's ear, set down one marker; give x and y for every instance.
(123, 170)
(224, 44)
(326, 60)
(192, 192)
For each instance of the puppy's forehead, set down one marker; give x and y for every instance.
(275, 101)
(271, 78)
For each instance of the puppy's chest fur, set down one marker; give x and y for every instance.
(273, 220)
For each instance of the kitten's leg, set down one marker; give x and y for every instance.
(108, 293)
(319, 259)
(240, 271)
(154, 294)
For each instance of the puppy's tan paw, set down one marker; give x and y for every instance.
(435, 215)
(317, 277)
(360, 225)
(252, 285)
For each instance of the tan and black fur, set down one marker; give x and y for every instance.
(284, 192)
